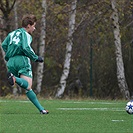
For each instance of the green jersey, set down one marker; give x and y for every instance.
(18, 43)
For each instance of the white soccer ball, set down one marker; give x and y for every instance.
(129, 107)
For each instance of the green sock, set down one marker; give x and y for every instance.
(32, 97)
(22, 82)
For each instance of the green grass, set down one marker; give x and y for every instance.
(66, 116)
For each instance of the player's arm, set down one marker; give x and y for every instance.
(26, 48)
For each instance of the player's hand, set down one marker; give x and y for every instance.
(40, 59)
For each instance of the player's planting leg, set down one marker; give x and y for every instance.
(32, 97)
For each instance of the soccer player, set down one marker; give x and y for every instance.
(18, 54)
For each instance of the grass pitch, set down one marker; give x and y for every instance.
(66, 116)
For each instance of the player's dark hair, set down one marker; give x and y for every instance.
(28, 19)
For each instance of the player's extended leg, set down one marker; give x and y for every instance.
(26, 82)
(20, 81)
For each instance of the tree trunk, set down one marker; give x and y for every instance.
(119, 60)
(17, 90)
(69, 44)
(40, 66)
(16, 15)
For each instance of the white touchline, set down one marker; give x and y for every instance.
(117, 120)
(90, 102)
(102, 109)
(6, 101)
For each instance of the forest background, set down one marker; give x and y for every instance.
(93, 67)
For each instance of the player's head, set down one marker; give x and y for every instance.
(29, 22)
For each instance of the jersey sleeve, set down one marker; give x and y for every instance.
(26, 48)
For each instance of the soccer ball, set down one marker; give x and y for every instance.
(129, 107)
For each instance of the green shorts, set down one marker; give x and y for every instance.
(18, 65)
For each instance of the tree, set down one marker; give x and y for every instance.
(6, 6)
(40, 66)
(119, 60)
(69, 44)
